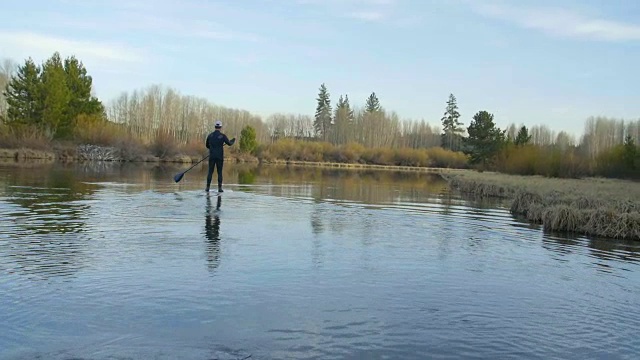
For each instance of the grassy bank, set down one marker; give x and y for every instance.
(591, 206)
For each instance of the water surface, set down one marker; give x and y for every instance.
(108, 261)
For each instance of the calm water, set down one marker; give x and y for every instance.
(120, 262)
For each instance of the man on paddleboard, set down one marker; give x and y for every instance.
(215, 142)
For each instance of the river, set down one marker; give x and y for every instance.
(111, 261)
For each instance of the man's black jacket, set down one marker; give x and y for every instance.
(215, 142)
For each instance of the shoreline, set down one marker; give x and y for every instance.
(607, 208)
(590, 206)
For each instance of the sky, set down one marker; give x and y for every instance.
(542, 62)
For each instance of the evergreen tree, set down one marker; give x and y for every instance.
(451, 127)
(56, 97)
(24, 95)
(322, 120)
(629, 153)
(340, 103)
(485, 139)
(343, 120)
(80, 85)
(248, 142)
(523, 136)
(373, 104)
(52, 96)
(347, 106)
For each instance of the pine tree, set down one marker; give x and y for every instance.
(248, 142)
(51, 96)
(343, 120)
(629, 153)
(523, 136)
(373, 104)
(57, 97)
(24, 95)
(451, 127)
(485, 139)
(347, 106)
(322, 120)
(80, 84)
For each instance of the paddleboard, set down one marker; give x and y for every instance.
(215, 192)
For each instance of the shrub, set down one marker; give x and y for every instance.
(164, 144)
(446, 158)
(24, 136)
(378, 156)
(410, 157)
(95, 130)
(248, 142)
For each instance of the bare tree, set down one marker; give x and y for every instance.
(8, 68)
(186, 118)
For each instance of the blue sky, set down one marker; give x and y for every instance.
(531, 62)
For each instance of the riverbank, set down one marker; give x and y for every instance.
(591, 206)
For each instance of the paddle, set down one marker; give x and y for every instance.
(179, 176)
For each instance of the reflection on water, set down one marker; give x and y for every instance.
(101, 261)
(45, 212)
(212, 232)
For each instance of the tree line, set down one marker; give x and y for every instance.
(54, 95)
(50, 96)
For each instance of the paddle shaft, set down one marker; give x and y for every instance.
(196, 164)
(179, 176)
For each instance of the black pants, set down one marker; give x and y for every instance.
(213, 163)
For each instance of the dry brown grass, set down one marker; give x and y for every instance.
(592, 206)
(24, 137)
(26, 154)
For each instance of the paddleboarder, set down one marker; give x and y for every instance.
(215, 142)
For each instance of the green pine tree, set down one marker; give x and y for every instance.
(23, 94)
(373, 104)
(523, 136)
(343, 120)
(80, 85)
(485, 139)
(56, 111)
(629, 153)
(451, 125)
(322, 122)
(349, 109)
(248, 142)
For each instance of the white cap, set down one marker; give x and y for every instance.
(218, 123)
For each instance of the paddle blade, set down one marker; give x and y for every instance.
(178, 177)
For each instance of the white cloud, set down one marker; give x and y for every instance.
(367, 15)
(24, 44)
(366, 10)
(563, 23)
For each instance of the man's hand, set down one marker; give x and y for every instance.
(232, 141)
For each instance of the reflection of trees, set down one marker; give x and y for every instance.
(212, 233)
(246, 176)
(355, 185)
(48, 220)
